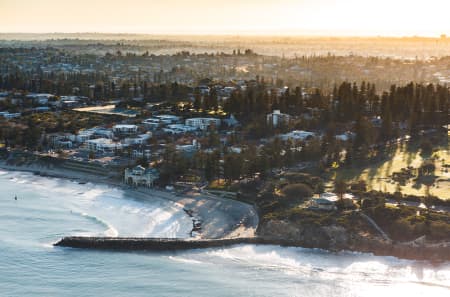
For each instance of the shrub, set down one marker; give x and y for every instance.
(297, 191)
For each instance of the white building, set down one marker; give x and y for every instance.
(203, 123)
(104, 145)
(125, 129)
(179, 129)
(277, 118)
(152, 123)
(83, 136)
(298, 135)
(139, 176)
(138, 140)
(141, 154)
(345, 136)
(168, 119)
(322, 204)
(189, 148)
(161, 120)
(102, 132)
(61, 140)
(8, 115)
(41, 99)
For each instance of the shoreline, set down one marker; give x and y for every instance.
(219, 224)
(219, 217)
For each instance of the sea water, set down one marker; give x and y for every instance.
(47, 209)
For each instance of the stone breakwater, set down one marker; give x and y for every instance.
(152, 244)
(401, 250)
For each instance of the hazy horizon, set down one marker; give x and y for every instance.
(320, 18)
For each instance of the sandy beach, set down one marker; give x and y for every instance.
(218, 217)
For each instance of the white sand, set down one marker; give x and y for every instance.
(220, 217)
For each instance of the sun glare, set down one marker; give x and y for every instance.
(285, 17)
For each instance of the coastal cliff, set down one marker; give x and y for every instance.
(338, 238)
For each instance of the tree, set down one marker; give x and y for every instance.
(232, 167)
(297, 191)
(340, 187)
(212, 166)
(197, 102)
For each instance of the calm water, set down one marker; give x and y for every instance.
(48, 209)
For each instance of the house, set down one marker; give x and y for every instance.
(168, 119)
(329, 196)
(8, 115)
(298, 135)
(322, 204)
(332, 197)
(189, 148)
(139, 176)
(345, 136)
(41, 109)
(40, 99)
(125, 129)
(104, 145)
(102, 132)
(141, 153)
(138, 140)
(160, 120)
(203, 123)
(61, 140)
(152, 123)
(277, 118)
(84, 135)
(178, 129)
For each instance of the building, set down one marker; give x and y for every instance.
(160, 120)
(203, 123)
(61, 140)
(168, 119)
(8, 115)
(152, 123)
(189, 148)
(138, 140)
(327, 201)
(298, 135)
(139, 176)
(125, 129)
(141, 153)
(104, 145)
(40, 99)
(84, 135)
(179, 129)
(276, 118)
(322, 204)
(345, 136)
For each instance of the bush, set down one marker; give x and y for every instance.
(297, 191)
(359, 186)
(426, 147)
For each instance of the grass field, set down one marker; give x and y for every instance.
(378, 175)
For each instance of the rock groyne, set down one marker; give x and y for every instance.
(437, 252)
(152, 244)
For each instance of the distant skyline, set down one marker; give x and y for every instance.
(240, 17)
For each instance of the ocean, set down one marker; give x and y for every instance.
(47, 209)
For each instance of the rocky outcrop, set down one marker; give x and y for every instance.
(336, 238)
(328, 237)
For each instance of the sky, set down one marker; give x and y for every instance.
(246, 17)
